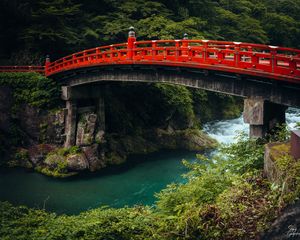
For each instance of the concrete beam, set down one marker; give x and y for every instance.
(263, 116)
(283, 93)
(71, 121)
(100, 113)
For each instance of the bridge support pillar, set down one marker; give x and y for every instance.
(101, 113)
(262, 116)
(70, 123)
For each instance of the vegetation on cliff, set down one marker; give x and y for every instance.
(32, 89)
(169, 118)
(32, 29)
(226, 197)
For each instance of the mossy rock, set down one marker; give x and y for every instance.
(20, 159)
(281, 168)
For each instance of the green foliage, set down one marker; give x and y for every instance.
(210, 106)
(31, 88)
(225, 197)
(66, 151)
(245, 155)
(32, 29)
(56, 164)
(177, 97)
(20, 159)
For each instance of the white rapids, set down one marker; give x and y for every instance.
(225, 131)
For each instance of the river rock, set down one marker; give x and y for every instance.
(37, 153)
(94, 159)
(77, 162)
(286, 226)
(273, 152)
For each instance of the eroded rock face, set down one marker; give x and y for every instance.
(86, 129)
(95, 160)
(271, 170)
(52, 127)
(77, 162)
(286, 226)
(37, 153)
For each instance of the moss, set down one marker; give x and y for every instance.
(280, 154)
(288, 169)
(20, 159)
(53, 173)
(43, 131)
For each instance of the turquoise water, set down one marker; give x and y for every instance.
(133, 183)
(130, 184)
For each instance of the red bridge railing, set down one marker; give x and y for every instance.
(242, 58)
(274, 62)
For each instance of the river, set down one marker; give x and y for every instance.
(133, 183)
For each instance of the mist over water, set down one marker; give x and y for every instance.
(133, 183)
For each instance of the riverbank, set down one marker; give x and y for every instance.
(32, 130)
(213, 204)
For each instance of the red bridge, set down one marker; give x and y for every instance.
(272, 62)
(268, 77)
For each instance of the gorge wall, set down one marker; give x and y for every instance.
(139, 119)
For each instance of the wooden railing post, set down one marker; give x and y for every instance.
(237, 57)
(177, 45)
(153, 48)
(47, 63)
(273, 61)
(130, 43)
(205, 53)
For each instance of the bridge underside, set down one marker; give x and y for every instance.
(265, 99)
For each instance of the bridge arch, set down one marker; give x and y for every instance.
(265, 100)
(268, 77)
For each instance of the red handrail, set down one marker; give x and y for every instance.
(243, 58)
(274, 62)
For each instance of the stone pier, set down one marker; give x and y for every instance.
(262, 116)
(70, 123)
(95, 126)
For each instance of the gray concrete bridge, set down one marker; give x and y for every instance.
(264, 106)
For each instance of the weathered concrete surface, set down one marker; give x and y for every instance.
(266, 107)
(263, 116)
(70, 123)
(85, 82)
(295, 144)
(254, 111)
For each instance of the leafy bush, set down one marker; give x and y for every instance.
(225, 197)
(33, 89)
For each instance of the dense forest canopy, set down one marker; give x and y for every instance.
(30, 29)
